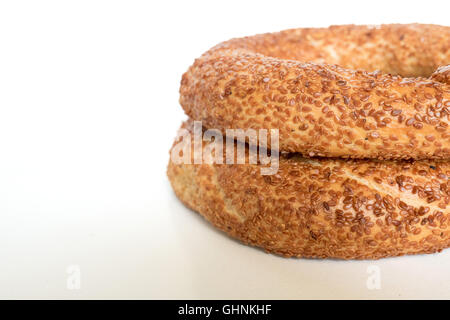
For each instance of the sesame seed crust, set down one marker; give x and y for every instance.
(343, 91)
(442, 74)
(323, 208)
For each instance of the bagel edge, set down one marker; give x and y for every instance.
(281, 81)
(322, 208)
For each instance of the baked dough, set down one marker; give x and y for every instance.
(322, 208)
(322, 90)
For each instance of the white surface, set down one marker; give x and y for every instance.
(88, 111)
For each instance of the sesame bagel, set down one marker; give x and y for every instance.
(379, 92)
(322, 208)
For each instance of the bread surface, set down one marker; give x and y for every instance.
(379, 92)
(321, 208)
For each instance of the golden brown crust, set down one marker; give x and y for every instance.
(281, 81)
(442, 74)
(324, 208)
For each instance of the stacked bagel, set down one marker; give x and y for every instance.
(362, 114)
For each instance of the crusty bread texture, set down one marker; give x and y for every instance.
(344, 91)
(321, 208)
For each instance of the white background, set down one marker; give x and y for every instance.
(88, 110)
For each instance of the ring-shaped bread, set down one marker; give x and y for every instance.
(318, 207)
(344, 91)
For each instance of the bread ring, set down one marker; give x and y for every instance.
(304, 82)
(323, 208)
